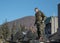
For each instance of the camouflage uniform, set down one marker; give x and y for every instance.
(40, 17)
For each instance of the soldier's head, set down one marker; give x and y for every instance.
(36, 9)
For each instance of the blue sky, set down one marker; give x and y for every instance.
(14, 9)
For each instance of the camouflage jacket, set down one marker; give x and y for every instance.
(39, 16)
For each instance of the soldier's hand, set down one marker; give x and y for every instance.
(42, 21)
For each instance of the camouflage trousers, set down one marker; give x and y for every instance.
(41, 30)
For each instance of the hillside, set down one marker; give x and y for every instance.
(25, 21)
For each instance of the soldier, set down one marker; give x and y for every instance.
(39, 22)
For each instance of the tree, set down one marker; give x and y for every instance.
(19, 27)
(13, 28)
(0, 32)
(5, 30)
(13, 32)
(23, 28)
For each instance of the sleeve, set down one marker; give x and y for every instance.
(35, 19)
(43, 16)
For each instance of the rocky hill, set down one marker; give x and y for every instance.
(25, 21)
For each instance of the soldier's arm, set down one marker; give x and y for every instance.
(35, 20)
(43, 16)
